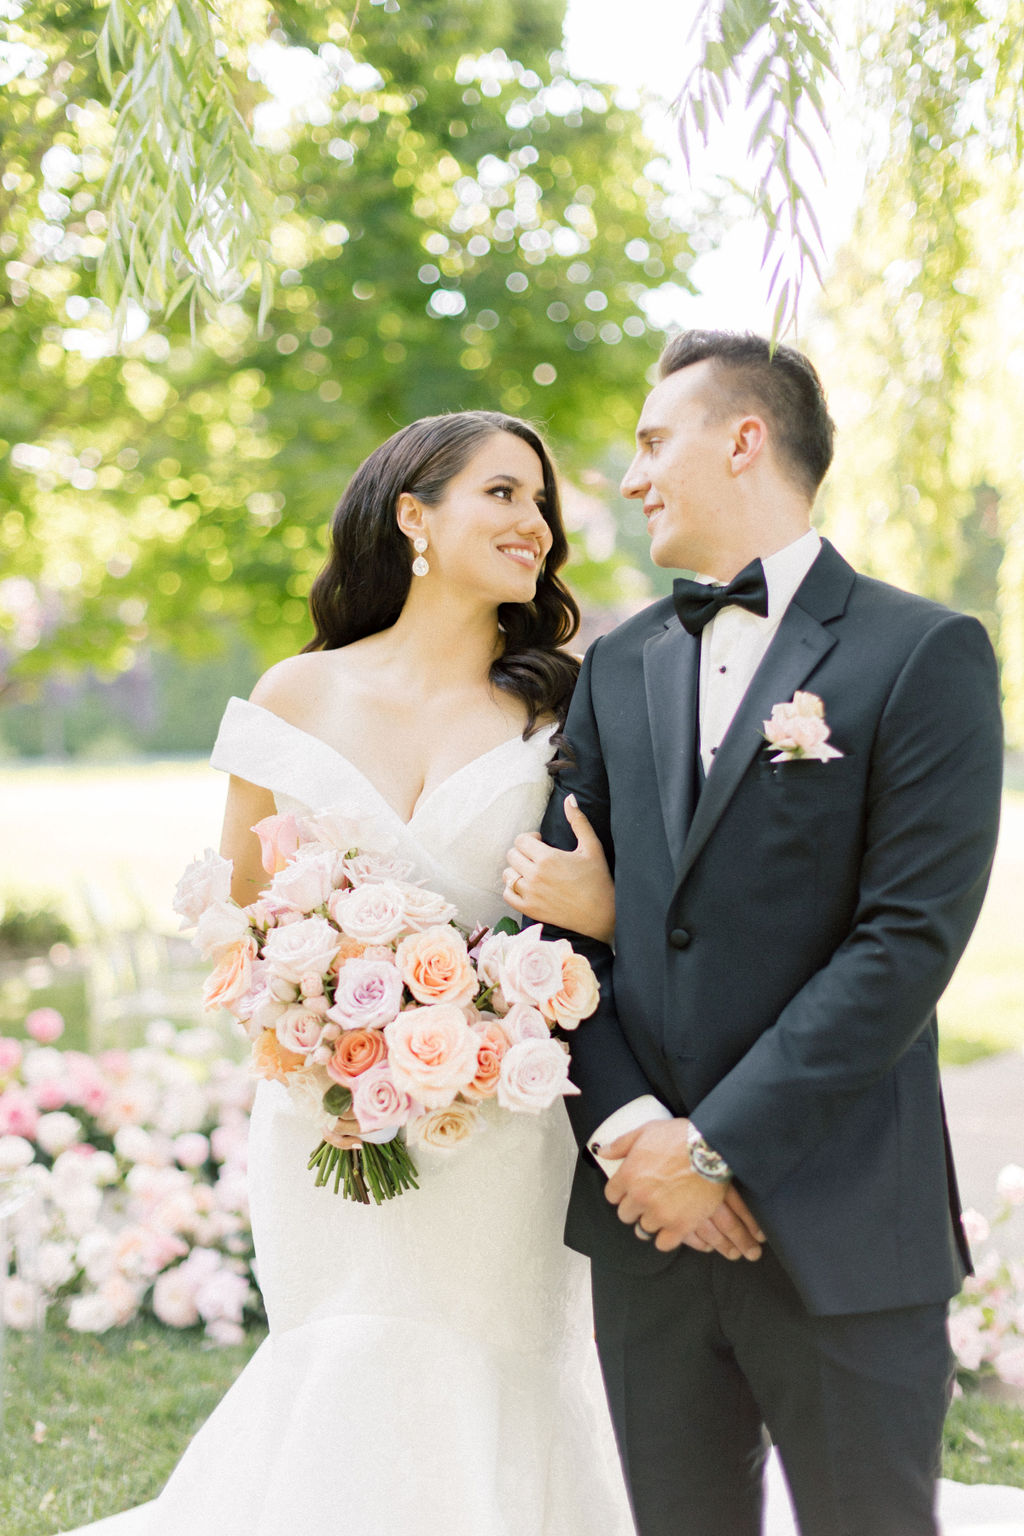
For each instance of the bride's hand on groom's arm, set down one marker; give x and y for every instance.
(657, 1188)
(571, 889)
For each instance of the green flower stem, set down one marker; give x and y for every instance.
(372, 1171)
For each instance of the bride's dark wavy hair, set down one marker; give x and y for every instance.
(362, 588)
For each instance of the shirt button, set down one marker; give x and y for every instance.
(679, 938)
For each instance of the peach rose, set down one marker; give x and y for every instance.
(355, 1052)
(231, 977)
(493, 1044)
(444, 1129)
(270, 1059)
(433, 1053)
(579, 993)
(436, 967)
(279, 838)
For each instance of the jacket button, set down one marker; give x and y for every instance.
(679, 938)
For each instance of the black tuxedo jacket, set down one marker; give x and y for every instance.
(783, 937)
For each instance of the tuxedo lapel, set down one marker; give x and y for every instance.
(671, 660)
(799, 644)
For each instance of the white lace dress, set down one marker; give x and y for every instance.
(430, 1369)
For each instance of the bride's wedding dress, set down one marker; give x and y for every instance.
(430, 1369)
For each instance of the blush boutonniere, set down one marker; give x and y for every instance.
(798, 730)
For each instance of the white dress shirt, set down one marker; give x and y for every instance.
(733, 646)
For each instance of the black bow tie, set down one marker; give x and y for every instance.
(697, 602)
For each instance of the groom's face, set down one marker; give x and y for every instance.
(681, 471)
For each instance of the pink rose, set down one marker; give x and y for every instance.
(206, 880)
(231, 978)
(44, 1025)
(433, 1053)
(798, 729)
(279, 838)
(531, 968)
(436, 967)
(307, 881)
(369, 994)
(525, 1023)
(534, 1074)
(966, 1336)
(444, 1129)
(976, 1228)
(220, 927)
(370, 914)
(299, 1030)
(301, 948)
(377, 1101)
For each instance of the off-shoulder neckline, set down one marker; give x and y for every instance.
(424, 800)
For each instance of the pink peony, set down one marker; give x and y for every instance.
(205, 880)
(18, 1113)
(369, 994)
(11, 1052)
(301, 949)
(279, 838)
(966, 1337)
(45, 1025)
(436, 967)
(377, 1101)
(534, 1074)
(976, 1228)
(191, 1149)
(433, 1053)
(174, 1298)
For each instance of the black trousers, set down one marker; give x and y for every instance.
(700, 1359)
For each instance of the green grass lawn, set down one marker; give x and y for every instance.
(94, 1425)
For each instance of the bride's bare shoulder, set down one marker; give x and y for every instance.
(302, 687)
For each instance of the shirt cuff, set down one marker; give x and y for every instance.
(630, 1117)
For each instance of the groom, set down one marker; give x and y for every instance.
(779, 1235)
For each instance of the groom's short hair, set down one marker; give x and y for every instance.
(778, 383)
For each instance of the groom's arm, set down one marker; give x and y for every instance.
(931, 823)
(603, 1066)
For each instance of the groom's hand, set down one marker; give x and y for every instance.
(657, 1188)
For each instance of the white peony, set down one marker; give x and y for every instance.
(57, 1131)
(15, 1153)
(91, 1313)
(206, 880)
(21, 1304)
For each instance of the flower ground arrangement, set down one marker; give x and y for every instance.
(363, 997)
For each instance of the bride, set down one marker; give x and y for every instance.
(429, 1369)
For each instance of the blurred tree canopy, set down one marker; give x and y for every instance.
(449, 219)
(457, 223)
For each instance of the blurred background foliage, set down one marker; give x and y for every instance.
(450, 219)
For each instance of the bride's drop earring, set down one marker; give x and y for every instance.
(419, 565)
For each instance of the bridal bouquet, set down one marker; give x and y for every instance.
(363, 997)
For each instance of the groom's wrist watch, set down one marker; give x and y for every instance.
(704, 1160)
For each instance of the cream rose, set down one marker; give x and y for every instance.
(433, 1053)
(220, 926)
(302, 949)
(425, 909)
(299, 1030)
(444, 1129)
(307, 880)
(206, 880)
(436, 967)
(370, 868)
(370, 914)
(489, 957)
(525, 1023)
(534, 1074)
